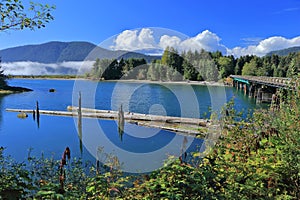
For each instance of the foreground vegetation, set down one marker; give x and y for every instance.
(255, 158)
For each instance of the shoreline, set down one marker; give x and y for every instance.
(203, 83)
(13, 90)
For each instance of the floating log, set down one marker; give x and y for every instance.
(43, 112)
(127, 116)
(142, 117)
(188, 126)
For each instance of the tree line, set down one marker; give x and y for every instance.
(195, 66)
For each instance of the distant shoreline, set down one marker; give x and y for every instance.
(71, 77)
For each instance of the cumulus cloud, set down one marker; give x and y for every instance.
(169, 41)
(265, 46)
(35, 68)
(132, 40)
(206, 40)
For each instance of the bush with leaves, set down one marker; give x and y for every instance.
(15, 179)
(259, 158)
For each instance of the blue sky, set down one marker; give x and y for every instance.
(237, 26)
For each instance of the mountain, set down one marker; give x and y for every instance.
(284, 52)
(57, 52)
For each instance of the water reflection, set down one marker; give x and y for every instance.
(1, 98)
(80, 123)
(121, 123)
(183, 153)
(37, 114)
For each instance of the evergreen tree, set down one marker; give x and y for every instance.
(250, 68)
(190, 72)
(294, 66)
(153, 72)
(226, 66)
(211, 71)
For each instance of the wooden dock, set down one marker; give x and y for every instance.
(190, 126)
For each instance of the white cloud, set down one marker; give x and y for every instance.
(206, 40)
(171, 41)
(265, 46)
(35, 68)
(132, 40)
(287, 10)
(251, 41)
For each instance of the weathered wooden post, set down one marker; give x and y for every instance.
(259, 95)
(245, 89)
(250, 94)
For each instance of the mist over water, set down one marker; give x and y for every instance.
(36, 68)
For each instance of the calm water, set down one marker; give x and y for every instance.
(136, 147)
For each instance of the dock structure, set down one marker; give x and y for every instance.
(262, 88)
(190, 126)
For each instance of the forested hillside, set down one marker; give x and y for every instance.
(51, 52)
(57, 52)
(285, 52)
(196, 66)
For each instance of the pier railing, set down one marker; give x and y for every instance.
(278, 82)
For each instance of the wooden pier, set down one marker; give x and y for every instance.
(262, 88)
(190, 126)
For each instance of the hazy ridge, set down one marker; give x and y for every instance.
(57, 52)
